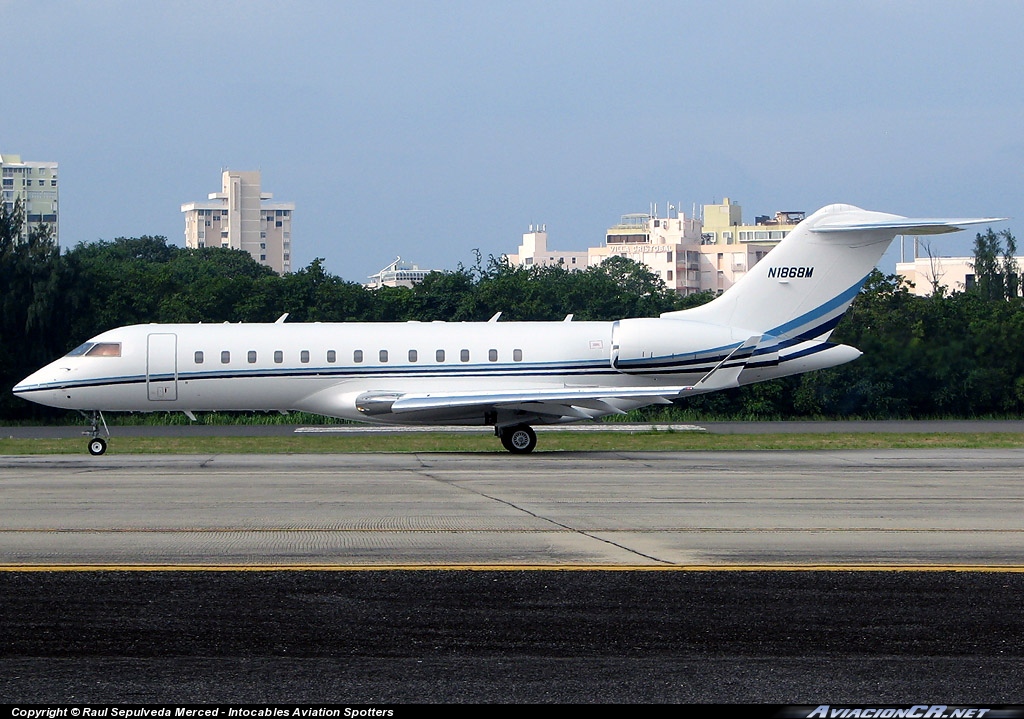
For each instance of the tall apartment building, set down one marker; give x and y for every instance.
(35, 184)
(242, 217)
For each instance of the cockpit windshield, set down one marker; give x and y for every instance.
(96, 349)
(80, 350)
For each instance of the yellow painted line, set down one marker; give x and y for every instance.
(510, 568)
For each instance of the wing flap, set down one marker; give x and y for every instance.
(583, 397)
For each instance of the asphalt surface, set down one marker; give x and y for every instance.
(386, 637)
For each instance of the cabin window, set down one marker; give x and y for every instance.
(439, 355)
(357, 356)
(464, 355)
(304, 356)
(517, 355)
(383, 355)
(492, 355)
(278, 356)
(252, 357)
(225, 357)
(199, 356)
(413, 356)
(332, 356)
(104, 349)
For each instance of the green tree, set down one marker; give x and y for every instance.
(995, 265)
(33, 311)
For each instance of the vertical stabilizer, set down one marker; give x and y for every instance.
(802, 287)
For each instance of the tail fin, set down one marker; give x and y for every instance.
(801, 288)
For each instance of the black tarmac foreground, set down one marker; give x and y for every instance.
(784, 637)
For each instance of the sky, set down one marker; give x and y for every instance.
(431, 130)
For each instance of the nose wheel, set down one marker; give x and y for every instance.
(97, 446)
(520, 439)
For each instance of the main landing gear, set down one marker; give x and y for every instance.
(97, 444)
(518, 439)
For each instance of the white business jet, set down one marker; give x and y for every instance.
(774, 322)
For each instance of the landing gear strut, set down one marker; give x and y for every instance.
(97, 444)
(520, 439)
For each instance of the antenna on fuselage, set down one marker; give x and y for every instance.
(281, 319)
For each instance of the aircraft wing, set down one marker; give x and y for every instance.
(582, 402)
(555, 400)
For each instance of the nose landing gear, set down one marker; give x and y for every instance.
(97, 444)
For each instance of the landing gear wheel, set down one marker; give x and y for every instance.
(520, 439)
(97, 446)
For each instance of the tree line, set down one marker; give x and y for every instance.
(951, 354)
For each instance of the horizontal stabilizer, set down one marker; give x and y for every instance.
(908, 225)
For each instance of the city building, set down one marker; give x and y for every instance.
(722, 267)
(35, 184)
(723, 225)
(398, 274)
(692, 255)
(689, 255)
(669, 246)
(534, 252)
(242, 217)
(926, 274)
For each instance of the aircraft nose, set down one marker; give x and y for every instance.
(25, 384)
(42, 379)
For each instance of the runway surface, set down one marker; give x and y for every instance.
(563, 577)
(940, 508)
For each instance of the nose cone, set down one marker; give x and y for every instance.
(26, 385)
(42, 386)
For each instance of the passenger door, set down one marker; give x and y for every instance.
(162, 367)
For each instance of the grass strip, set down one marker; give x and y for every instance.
(646, 441)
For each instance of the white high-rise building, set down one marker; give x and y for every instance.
(35, 184)
(242, 217)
